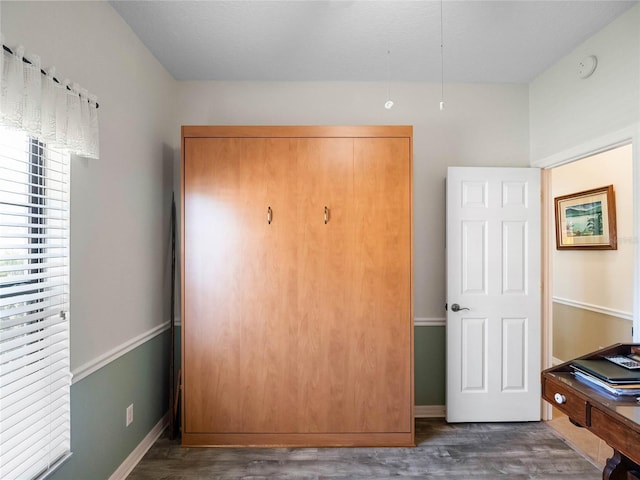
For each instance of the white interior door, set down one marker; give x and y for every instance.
(493, 275)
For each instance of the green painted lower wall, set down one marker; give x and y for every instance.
(100, 442)
(429, 365)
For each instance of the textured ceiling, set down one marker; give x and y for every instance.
(341, 40)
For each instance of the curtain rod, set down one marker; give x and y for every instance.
(7, 49)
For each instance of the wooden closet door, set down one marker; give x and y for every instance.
(269, 402)
(326, 400)
(379, 358)
(241, 293)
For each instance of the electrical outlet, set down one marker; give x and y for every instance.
(129, 415)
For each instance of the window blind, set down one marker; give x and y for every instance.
(34, 321)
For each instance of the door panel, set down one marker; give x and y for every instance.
(382, 283)
(236, 358)
(474, 354)
(268, 355)
(217, 193)
(514, 346)
(493, 272)
(474, 257)
(514, 258)
(326, 398)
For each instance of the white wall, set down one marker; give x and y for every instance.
(481, 125)
(120, 204)
(603, 278)
(566, 111)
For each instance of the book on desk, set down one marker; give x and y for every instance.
(607, 376)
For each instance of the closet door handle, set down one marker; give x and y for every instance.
(269, 215)
(326, 215)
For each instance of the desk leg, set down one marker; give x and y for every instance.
(619, 467)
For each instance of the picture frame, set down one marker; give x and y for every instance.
(586, 220)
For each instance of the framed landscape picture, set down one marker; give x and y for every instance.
(586, 220)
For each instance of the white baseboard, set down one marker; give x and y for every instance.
(143, 447)
(556, 361)
(429, 411)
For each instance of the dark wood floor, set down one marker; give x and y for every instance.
(514, 451)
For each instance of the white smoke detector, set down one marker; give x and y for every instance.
(587, 66)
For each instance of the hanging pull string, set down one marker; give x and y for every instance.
(25, 60)
(441, 58)
(389, 103)
(389, 74)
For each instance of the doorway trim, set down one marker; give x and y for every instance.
(618, 138)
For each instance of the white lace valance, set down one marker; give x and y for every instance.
(59, 114)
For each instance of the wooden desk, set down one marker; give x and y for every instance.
(614, 419)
